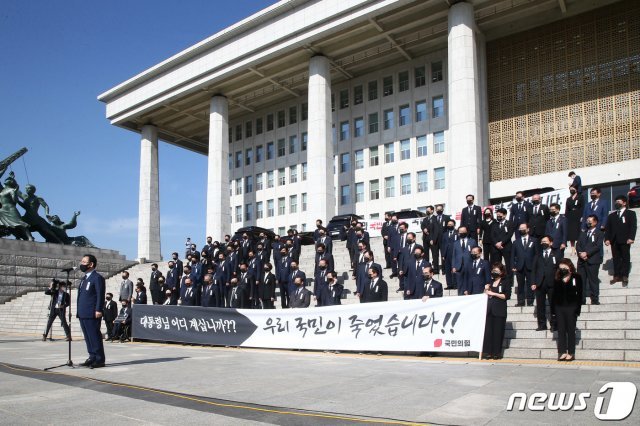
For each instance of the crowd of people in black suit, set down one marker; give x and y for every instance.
(486, 251)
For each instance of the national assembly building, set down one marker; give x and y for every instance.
(310, 109)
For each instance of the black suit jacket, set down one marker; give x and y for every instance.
(471, 220)
(303, 300)
(267, 289)
(621, 229)
(544, 271)
(189, 296)
(538, 222)
(496, 306)
(433, 289)
(239, 298)
(66, 299)
(592, 245)
(110, 310)
(379, 292)
(502, 233)
(523, 258)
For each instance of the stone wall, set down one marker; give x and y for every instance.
(29, 266)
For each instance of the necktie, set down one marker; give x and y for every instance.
(475, 264)
(403, 241)
(464, 246)
(593, 205)
(371, 285)
(322, 274)
(469, 209)
(519, 206)
(417, 265)
(546, 254)
(524, 241)
(535, 210)
(589, 234)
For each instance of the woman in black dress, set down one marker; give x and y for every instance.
(486, 225)
(499, 291)
(574, 207)
(566, 303)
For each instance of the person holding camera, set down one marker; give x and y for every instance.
(60, 300)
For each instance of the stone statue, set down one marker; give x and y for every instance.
(20, 226)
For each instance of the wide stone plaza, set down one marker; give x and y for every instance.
(147, 383)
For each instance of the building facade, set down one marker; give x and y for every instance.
(309, 109)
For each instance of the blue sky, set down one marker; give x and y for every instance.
(57, 57)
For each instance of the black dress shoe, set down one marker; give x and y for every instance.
(595, 302)
(87, 363)
(541, 328)
(552, 329)
(96, 365)
(44, 337)
(529, 303)
(519, 304)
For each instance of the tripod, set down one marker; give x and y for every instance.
(69, 363)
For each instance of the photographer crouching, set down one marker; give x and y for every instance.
(60, 300)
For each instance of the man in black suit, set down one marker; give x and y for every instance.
(90, 305)
(209, 297)
(247, 281)
(589, 248)
(397, 241)
(538, 218)
(471, 218)
(320, 283)
(501, 236)
(154, 288)
(188, 297)
(110, 314)
(405, 257)
(60, 301)
(324, 240)
(576, 181)
(295, 272)
(428, 287)
(523, 258)
(123, 319)
(520, 211)
(476, 275)
(376, 290)
(385, 239)
(620, 235)
(429, 237)
(178, 263)
(414, 266)
(440, 226)
(544, 273)
(322, 254)
(300, 296)
(283, 270)
(557, 228)
(362, 275)
(173, 281)
(237, 297)
(334, 290)
(449, 239)
(267, 288)
(316, 232)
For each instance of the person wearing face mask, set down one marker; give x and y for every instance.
(141, 293)
(502, 233)
(245, 246)
(544, 273)
(60, 301)
(283, 272)
(294, 273)
(576, 182)
(405, 260)
(320, 283)
(188, 297)
(221, 278)
(316, 232)
(589, 248)
(326, 241)
(122, 320)
(471, 217)
(567, 304)
(247, 281)
(429, 234)
(397, 242)
(126, 288)
(208, 249)
(178, 263)
(89, 308)
(156, 292)
(209, 297)
(109, 315)
(476, 275)
(449, 238)
(557, 228)
(523, 258)
(375, 289)
(620, 235)
(427, 287)
(322, 254)
(173, 281)
(573, 209)
(596, 206)
(352, 243)
(539, 217)
(520, 211)
(365, 265)
(414, 266)
(267, 288)
(461, 257)
(440, 221)
(486, 233)
(384, 232)
(498, 291)
(334, 290)
(300, 296)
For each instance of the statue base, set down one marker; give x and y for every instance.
(29, 266)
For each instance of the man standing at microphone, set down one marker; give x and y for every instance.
(89, 310)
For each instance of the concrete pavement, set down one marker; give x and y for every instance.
(225, 385)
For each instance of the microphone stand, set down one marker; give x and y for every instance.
(69, 363)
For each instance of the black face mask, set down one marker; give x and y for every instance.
(470, 202)
(518, 199)
(439, 211)
(495, 275)
(450, 227)
(84, 268)
(418, 256)
(618, 206)
(475, 256)
(427, 277)
(544, 246)
(594, 197)
(573, 191)
(488, 215)
(564, 272)
(322, 267)
(553, 213)
(523, 232)
(462, 235)
(410, 241)
(500, 217)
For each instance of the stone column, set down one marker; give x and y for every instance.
(466, 172)
(149, 197)
(218, 215)
(320, 193)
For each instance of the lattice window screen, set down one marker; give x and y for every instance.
(566, 95)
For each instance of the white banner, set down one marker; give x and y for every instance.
(449, 324)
